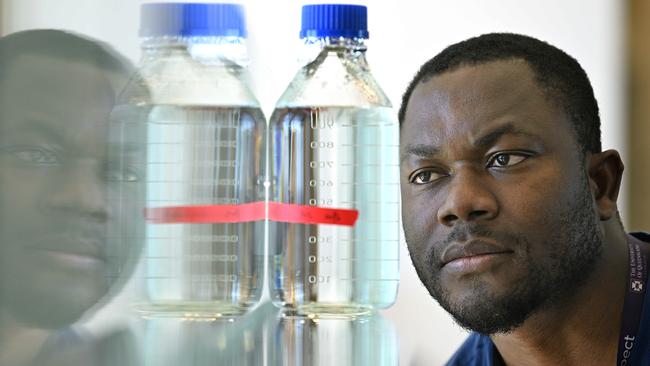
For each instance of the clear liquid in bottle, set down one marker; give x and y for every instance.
(339, 158)
(201, 157)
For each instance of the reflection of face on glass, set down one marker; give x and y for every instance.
(56, 176)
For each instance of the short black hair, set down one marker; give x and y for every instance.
(559, 75)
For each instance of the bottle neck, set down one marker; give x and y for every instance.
(351, 45)
(351, 50)
(207, 50)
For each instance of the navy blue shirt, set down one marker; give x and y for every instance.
(478, 349)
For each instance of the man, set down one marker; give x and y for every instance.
(509, 208)
(65, 191)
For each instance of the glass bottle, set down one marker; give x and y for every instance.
(204, 244)
(334, 201)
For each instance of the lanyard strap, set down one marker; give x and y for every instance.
(634, 296)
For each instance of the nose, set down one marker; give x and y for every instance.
(80, 192)
(468, 199)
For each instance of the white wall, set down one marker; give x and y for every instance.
(404, 34)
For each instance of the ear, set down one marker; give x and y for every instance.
(605, 170)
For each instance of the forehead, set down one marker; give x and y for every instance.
(39, 93)
(471, 99)
(54, 77)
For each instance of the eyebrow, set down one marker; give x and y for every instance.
(485, 141)
(421, 150)
(33, 126)
(493, 136)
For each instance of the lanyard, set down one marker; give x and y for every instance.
(634, 296)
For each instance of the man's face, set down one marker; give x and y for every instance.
(55, 177)
(497, 210)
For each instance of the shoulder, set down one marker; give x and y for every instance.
(117, 348)
(641, 236)
(477, 350)
(75, 346)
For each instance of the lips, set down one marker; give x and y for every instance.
(475, 248)
(83, 248)
(81, 243)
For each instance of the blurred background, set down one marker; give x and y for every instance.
(608, 38)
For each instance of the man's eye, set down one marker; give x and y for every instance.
(34, 156)
(424, 177)
(506, 159)
(122, 175)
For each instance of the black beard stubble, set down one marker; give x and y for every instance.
(575, 247)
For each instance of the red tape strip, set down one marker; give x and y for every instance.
(248, 212)
(300, 214)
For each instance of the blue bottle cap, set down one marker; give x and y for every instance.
(192, 20)
(334, 20)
